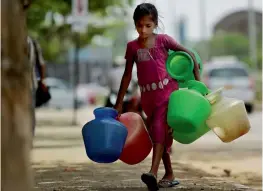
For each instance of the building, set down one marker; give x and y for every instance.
(238, 22)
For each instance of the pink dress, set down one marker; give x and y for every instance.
(155, 84)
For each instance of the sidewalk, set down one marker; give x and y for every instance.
(61, 163)
(121, 177)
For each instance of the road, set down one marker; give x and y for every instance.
(252, 140)
(45, 134)
(256, 123)
(240, 160)
(61, 147)
(242, 157)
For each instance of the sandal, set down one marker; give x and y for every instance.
(167, 183)
(150, 180)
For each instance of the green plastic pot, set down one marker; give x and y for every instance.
(191, 137)
(188, 110)
(180, 66)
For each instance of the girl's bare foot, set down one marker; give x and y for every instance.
(168, 176)
(168, 181)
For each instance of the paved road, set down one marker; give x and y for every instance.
(68, 137)
(256, 124)
(252, 140)
(56, 143)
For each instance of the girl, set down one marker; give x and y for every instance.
(150, 51)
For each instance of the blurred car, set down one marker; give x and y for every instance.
(234, 76)
(91, 93)
(62, 95)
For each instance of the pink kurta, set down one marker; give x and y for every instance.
(155, 84)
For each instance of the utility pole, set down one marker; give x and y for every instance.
(79, 25)
(203, 28)
(252, 33)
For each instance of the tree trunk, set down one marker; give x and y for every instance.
(16, 119)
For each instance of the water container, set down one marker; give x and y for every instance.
(180, 66)
(188, 111)
(138, 144)
(104, 137)
(228, 119)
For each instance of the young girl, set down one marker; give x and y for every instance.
(150, 51)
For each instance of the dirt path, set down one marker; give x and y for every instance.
(246, 171)
(118, 176)
(61, 163)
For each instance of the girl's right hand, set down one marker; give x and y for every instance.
(118, 107)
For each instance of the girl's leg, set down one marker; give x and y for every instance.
(150, 179)
(158, 150)
(169, 175)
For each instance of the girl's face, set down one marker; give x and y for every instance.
(145, 26)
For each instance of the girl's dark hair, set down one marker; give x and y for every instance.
(145, 9)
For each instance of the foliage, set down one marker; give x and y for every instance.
(56, 39)
(233, 44)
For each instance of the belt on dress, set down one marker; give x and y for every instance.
(154, 86)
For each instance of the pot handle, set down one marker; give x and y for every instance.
(214, 96)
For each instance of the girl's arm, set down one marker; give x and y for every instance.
(126, 78)
(196, 66)
(171, 44)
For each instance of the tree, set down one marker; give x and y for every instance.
(16, 99)
(54, 39)
(229, 44)
(234, 44)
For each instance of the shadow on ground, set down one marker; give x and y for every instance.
(118, 176)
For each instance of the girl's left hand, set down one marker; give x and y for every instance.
(170, 131)
(196, 65)
(196, 71)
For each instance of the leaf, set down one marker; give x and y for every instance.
(55, 40)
